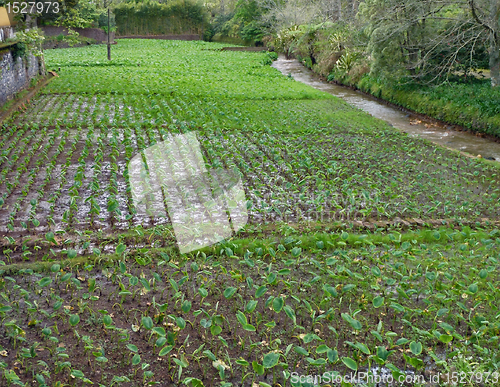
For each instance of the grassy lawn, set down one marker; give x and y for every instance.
(93, 291)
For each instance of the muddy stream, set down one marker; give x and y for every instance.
(414, 125)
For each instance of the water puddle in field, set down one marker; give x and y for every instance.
(414, 125)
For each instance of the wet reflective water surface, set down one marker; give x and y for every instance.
(440, 134)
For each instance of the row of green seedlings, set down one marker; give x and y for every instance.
(11, 160)
(130, 151)
(41, 158)
(62, 175)
(60, 109)
(78, 179)
(317, 179)
(371, 203)
(281, 196)
(49, 169)
(9, 141)
(219, 157)
(52, 113)
(33, 114)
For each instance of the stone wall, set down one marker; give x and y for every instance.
(15, 74)
(92, 33)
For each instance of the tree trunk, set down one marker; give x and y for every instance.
(495, 43)
(495, 61)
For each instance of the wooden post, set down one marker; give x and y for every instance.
(109, 42)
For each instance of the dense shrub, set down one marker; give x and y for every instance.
(153, 18)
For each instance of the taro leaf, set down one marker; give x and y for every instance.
(241, 318)
(5, 309)
(160, 331)
(415, 362)
(132, 348)
(473, 288)
(402, 341)
(270, 359)
(229, 292)
(301, 351)
(258, 368)
(378, 302)
(353, 322)
(316, 362)
(397, 307)
(215, 329)
(181, 323)
(74, 319)
(165, 350)
(483, 274)
(344, 236)
(416, 348)
(363, 348)
(186, 306)
(55, 268)
(249, 327)
(251, 305)
(376, 271)
(271, 278)
(310, 337)
(333, 355)
(161, 341)
(446, 327)
(45, 281)
(145, 284)
(431, 276)
(72, 253)
(136, 359)
(445, 338)
(278, 304)
(77, 374)
(290, 313)
(147, 322)
(322, 348)
(112, 205)
(209, 354)
(107, 320)
(120, 249)
(193, 382)
(260, 291)
(296, 251)
(382, 353)
(242, 362)
(350, 363)
(330, 290)
(50, 237)
(203, 292)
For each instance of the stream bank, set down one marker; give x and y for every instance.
(414, 124)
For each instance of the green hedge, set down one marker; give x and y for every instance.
(153, 18)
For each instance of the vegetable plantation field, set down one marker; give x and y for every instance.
(93, 291)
